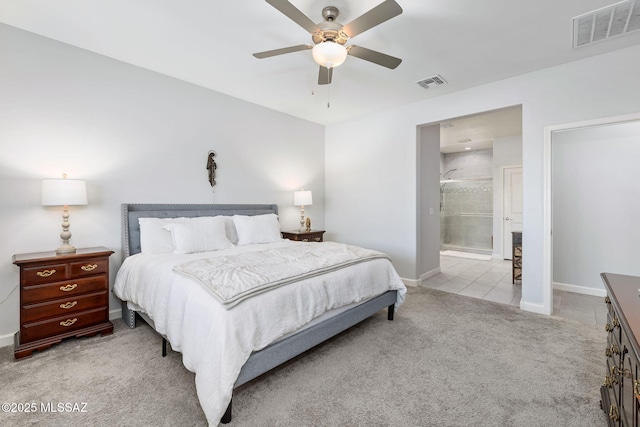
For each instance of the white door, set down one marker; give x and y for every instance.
(512, 207)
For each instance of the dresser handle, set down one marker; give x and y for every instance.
(614, 374)
(613, 413)
(607, 300)
(636, 389)
(615, 322)
(69, 304)
(608, 327)
(69, 322)
(68, 288)
(45, 273)
(89, 267)
(317, 239)
(612, 350)
(305, 240)
(608, 382)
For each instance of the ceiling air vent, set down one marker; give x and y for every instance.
(432, 82)
(610, 21)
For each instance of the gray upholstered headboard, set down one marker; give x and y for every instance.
(131, 213)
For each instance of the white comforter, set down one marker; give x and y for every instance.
(214, 342)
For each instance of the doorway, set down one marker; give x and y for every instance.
(608, 214)
(463, 134)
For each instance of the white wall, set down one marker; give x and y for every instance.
(136, 137)
(507, 151)
(379, 152)
(429, 159)
(595, 229)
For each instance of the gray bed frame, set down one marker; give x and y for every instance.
(281, 351)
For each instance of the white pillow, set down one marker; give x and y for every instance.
(257, 228)
(200, 234)
(232, 235)
(154, 238)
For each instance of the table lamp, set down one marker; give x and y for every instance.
(302, 198)
(64, 192)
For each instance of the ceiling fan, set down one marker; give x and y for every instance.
(330, 36)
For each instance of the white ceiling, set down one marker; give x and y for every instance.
(210, 43)
(478, 131)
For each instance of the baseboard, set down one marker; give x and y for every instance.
(115, 314)
(6, 340)
(533, 307)
(580, 289)
(414, 283)
(411, 282)
(431, 273)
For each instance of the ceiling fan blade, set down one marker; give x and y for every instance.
(294, 14)
(324, 75)
(376, 16)
(375, 57)
(269, 53)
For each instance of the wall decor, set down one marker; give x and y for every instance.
(211, 167)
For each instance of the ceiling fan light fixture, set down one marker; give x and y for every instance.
(329, 54)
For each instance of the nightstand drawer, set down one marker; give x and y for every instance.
(44, 273)
(304, 236)
(63, 307)
(89, 267)
(66, 289)
(59, 325)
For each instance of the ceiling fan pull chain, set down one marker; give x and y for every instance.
(328, 89)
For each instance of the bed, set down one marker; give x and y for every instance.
(223, 354)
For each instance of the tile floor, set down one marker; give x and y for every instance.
(491, 280)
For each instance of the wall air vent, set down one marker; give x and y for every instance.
(610, 21)
(432, 81)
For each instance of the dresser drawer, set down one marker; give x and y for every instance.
(88, 267)
(66, 289)
(33, 331)
(44, 274)
(62, 307)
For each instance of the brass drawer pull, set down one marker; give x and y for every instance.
(69, 304)
(69, 322)
(636, 389)
(317, 239)
(46, 273)
(69, 287)
(608, 382)
(613, 413)
(609, 351)
(305, 240)
(608, 327)
(615, 322)
(607, 300)
(89, 267)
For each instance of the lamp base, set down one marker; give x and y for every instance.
(66, 249)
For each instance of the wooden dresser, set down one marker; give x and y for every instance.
(62, 296)
(304, 236)
(621, 390)
(516, 256)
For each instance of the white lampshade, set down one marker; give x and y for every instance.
(302, 198)
(63, 192)
(329, 54)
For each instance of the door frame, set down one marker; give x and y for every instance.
(547, 226)
(503, 251)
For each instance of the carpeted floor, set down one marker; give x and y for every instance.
(447, 360)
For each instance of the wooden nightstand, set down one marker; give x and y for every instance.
(304, 236)
(62, 296)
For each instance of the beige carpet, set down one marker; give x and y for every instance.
(447, 360)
